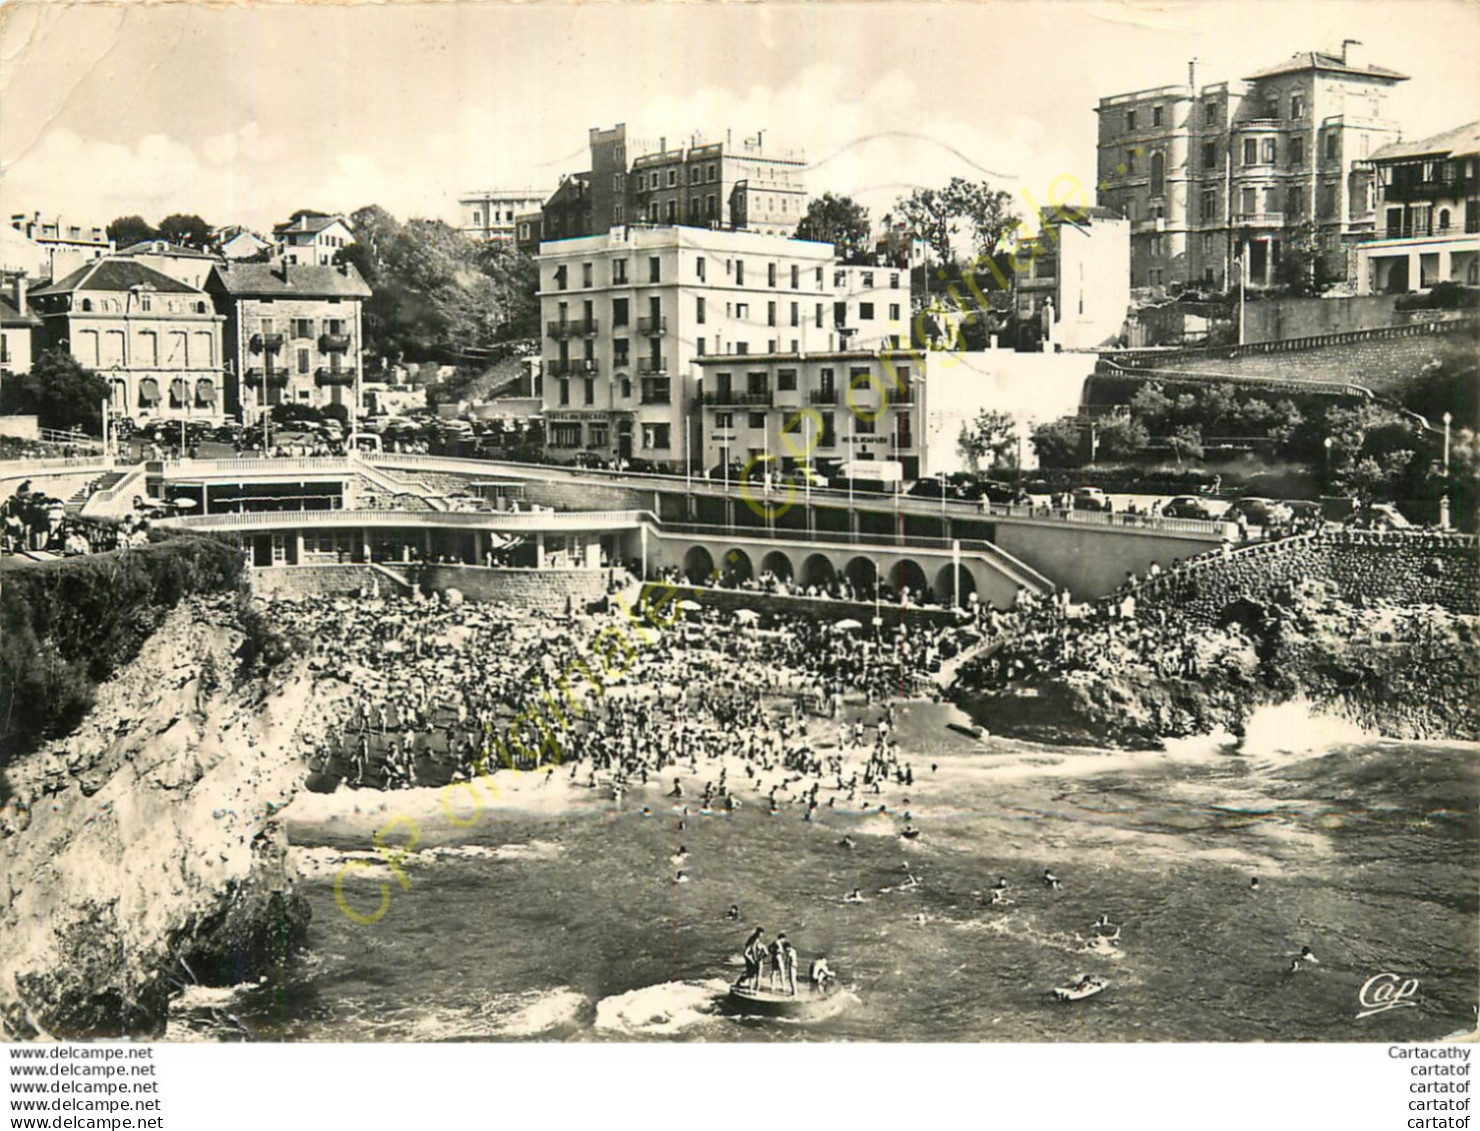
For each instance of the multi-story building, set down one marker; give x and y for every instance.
(1230, 172)
(529, 229)
(870, 307)
(626, 314)
(313, 238)
(1428, 205)
(719, 184)
(1075, 276)
(492, 215)
(182, 263)
(67, 246)
(293, 333)
(156, 340)
(17, 327)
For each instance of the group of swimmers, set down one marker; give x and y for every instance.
(779, 961)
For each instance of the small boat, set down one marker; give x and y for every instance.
(805, 1005)
(1078, 991)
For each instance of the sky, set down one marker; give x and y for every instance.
(244, 114)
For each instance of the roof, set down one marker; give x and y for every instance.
(1320, 61)
(9, 316)
(164, 247)
(114, 274)
(1462, 141)
(310, 224)
(284, 279)
(1077, 214)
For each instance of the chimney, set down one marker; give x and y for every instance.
(662, 144)
(20, 291)
(1192, 76)
(1353, 54)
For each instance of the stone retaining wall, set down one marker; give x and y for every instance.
(545, 590)
(1409, 568)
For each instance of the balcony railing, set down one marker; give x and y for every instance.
(276, 376)
(657, 394)
(327, 377)
(333, 343)
(652, 365)
(1260, 219)
(822, 396)
(647, 327)
(902, 397)
(577, 368)
(584, 328)
(269, 342)
(736, 397)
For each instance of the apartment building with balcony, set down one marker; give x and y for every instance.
(155, 340)
(293, 334)
(800, 407)
(1223, 173)
(1428, 208)
(700, 183)
(627, 313)
(871, 307)
(492, 215)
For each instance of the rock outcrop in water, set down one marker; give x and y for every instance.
(140, 852)
(1407, 672)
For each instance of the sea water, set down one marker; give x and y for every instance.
(568, 925)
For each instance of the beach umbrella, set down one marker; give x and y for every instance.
(690, 606)
(847, 625)
(184, 503)
(745, 616)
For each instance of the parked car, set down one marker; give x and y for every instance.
(1188, 506)
(1379, 516)
(1259, 511)
(1091, 499)
(731, 472)
(934, 488)
(804, 475)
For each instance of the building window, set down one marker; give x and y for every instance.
(1266, 150)
(1158, 174)
(1207, 243)
(742, 311)
(1210, 155)
(655, 436)
(866, 311)
(303, 361)
(739, 272)
(1297, 106)
(1209, 208)
(786, 380)
(303, 327)
(1444, 219)
(619, 312)
(770, 274)
(1294, 201)
(894, 312)
(672, 177)
(1130, 160)
(757, 421)
(699, 309)
(1210, 112)
(1333, 144)
(1297, 151)
(560, 277)
(672, 210)
(796, 314)
(621, 351)
(565, 392)
(796, 277)
(1251, 151)
(770, 314)
(1246, 201)
(1156, 115)
(655, 269)
(1328, 200)
(699, 268)
(1130, 121)
(586, 276)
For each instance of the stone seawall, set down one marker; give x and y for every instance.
(1402, 567)
(544, 590)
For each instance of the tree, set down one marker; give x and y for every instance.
(1120, 437)
(1057, 443)
(840, 221)
(926, 215)
(992, 434)
(987, 211)
(187, 230)
(59, 391)
(1300, 270)
(1151, 405)
(1187, 442)
(129, 230)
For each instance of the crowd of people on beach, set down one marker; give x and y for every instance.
(35, 522)
(439, 691)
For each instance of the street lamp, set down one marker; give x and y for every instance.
(1328, 443)
(1448, 418)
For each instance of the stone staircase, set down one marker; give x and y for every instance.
(80, 497)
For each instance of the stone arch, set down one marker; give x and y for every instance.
(907, 572)
(818, 570)
(779, 564)
(698, 565)
(945, 584)
(737, 566)
(861, 572)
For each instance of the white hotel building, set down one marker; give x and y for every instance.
(629, 317)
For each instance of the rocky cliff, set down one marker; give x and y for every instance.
(1401, 671)
(140, 853)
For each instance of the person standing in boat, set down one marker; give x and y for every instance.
(787, 956)
(754, 954)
